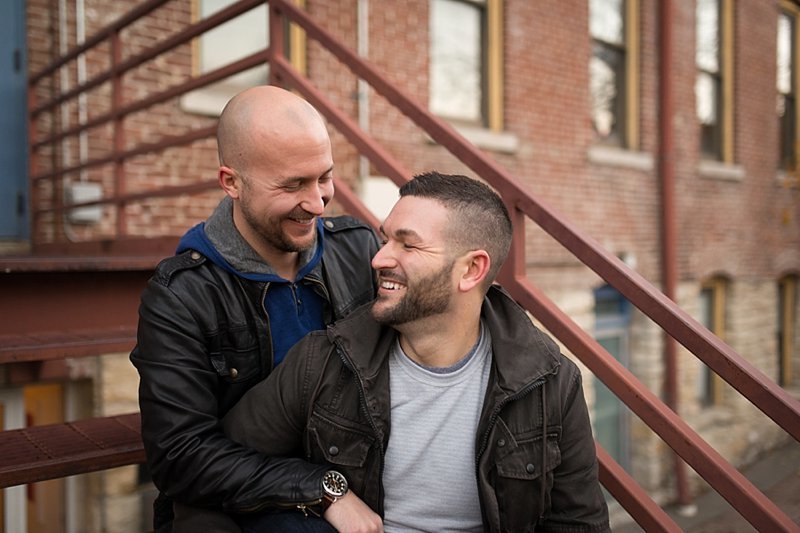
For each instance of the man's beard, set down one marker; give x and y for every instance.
(427, 297)
(271, 232)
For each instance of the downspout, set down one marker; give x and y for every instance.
(66, 146)
(74, 493)
(77, 493)
(83, 113)
(669, 263)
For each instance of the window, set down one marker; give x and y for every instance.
(216, 48)
(466, 62)
(712, 316)
(611, 417)
(714, 82)
(787, 86)
(614, 71)
(787, 320)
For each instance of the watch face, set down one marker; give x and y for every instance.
(334, 483)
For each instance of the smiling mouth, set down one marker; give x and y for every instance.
(302, 221)
(390, 285)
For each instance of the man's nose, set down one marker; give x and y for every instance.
(383, 259)
(315, 198)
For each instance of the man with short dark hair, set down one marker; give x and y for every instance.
(440, 404)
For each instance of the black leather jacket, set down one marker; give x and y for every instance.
(203, 341)
(535, 457)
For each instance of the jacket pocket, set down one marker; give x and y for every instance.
(234, 354)
(344, 444)
(520, 465)
(339, 443)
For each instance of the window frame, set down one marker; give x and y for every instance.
(724, 146)
(710, 384)
(491, 70)
(210, 100)
(614, 323)
(791, 10)
(629, 87)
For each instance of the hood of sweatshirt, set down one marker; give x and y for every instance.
(218, 239)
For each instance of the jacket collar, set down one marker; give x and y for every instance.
(522, 354)
(219, 240)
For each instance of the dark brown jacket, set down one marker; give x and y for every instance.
(534, 452)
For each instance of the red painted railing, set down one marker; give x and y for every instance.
(743, 376)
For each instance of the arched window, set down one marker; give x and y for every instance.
(713, 301)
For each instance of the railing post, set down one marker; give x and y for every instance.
(514, 266)
(57, 183)
(276, 41)
(119, 131)
(33, 169)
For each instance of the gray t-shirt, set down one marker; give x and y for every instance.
(429, 473)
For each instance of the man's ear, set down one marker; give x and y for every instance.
(475, 268)
(230, 182)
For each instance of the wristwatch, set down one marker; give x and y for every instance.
(334, 486)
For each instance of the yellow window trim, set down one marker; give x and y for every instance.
(298, 44)
(632, 45)
(718, 287)
(727, 30)
(792, 9)
(494, 67)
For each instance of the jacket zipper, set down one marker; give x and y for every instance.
(305, 507)
(269, 329)
(496, 413)
(493, 420)
(367, 414)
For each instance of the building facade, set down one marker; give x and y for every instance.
(566, 96)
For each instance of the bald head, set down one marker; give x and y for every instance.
(258, 121)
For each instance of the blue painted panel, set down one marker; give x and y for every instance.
(13, 122)
(611, 417)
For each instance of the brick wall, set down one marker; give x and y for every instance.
(747, 229)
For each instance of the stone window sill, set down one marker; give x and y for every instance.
(494, 141)
(789, 180)
(720, 171)
(620, 157)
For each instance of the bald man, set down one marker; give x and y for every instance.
(244, 286)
